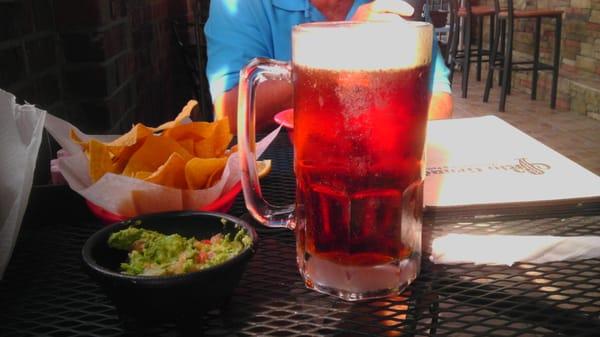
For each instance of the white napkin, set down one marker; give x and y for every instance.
(113, 192)
(20, 137)
(508, 249)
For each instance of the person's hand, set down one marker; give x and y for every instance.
(441, 104)
(383, 10)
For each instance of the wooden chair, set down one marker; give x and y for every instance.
(508, 18)
(461, 20)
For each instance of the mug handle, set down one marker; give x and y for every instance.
(258, 70)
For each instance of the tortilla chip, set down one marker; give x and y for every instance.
(152, 154)
(100, 160)
(139, 131)
(232, 149)
(187, 110)
(222, 136)
(199, 170)
(216, 144)
(142, 175)
(195, 131)
(215, 177)
(77, 140)
(121, 159)
(171, 173)
(187, 144)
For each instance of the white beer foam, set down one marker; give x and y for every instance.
(362, 46)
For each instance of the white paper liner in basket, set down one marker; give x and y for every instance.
(114, 192)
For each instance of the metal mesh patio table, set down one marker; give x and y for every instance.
(46, 293)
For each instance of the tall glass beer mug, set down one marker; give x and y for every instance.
(361, 96)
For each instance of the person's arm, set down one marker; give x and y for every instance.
(440, 106)
(234, 36)
(272, 97)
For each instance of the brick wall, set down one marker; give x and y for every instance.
(101, 64)
(119, 61)
(29, 53)
(581, 36)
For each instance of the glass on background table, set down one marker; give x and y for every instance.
(46, 293)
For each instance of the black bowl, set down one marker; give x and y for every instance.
(168, 298)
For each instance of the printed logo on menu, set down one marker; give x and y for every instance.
(522, 165)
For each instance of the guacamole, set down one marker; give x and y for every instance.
(153, 254)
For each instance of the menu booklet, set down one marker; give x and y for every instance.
(484, 165)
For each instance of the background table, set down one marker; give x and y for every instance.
(46, 293)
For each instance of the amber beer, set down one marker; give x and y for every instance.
(361, 95)
(359, 128)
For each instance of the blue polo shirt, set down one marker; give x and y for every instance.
(240, 30)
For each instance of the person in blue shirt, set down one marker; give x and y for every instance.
(239, 30)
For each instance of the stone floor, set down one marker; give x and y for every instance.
(575, 136)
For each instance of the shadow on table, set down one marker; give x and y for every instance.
(50, 204)
(510, 302)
